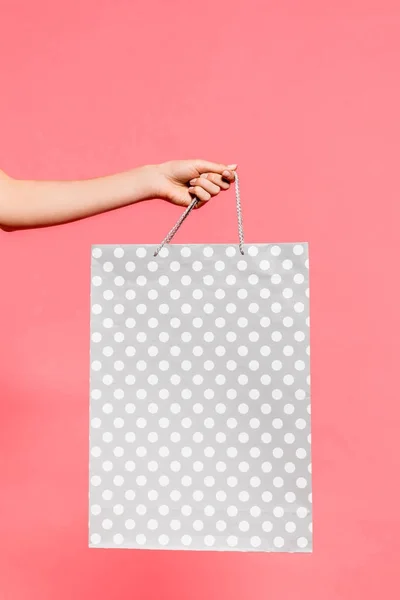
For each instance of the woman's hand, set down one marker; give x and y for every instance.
(26, 203)
(178, 181)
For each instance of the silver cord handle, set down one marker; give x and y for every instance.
(179, 222)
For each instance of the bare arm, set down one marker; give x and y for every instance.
(35, 203)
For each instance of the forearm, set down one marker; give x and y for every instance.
(35, 203)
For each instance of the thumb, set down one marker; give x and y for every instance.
(205, 166)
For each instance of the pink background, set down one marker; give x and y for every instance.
(305, 96)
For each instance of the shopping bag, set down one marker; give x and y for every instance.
(200, 431)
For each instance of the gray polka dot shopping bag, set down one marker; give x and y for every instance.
(200, 428)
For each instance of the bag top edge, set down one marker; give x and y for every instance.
(247, 244)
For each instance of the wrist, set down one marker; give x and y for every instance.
(144, 182)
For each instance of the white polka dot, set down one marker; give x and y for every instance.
(96, 309)
(208, 280)
(288, 350)
(198, 525)
(244, 526)
(255, 541)
(266, 496)
(265, 293)
(108, 267)
(186, 540)
(130, 495)
(298, 249)
(275, 250)
(277, 482)
(276, 307)
(186, 510)
(95, 538)
(301, 482)
(290, 527)
(232, 541)
(220, 525)
(278, 511)
(288, 321)
(208, 251)
(298, 278)
(276, 365)
(267, 526)
(119, 281)
(141, 539)
(107, 524)
(186, 252)
(287, 264)
(209, 540)
(175, 524)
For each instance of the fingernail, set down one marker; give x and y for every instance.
(232, 166)
(192, 181)
(226, 173)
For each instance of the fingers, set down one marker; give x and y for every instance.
(200, 193)
(206, 184)
(214, 177)
(222, 181)
(204, 166)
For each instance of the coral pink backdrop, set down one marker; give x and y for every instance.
(305, 96)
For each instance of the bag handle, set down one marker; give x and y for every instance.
(195, 200)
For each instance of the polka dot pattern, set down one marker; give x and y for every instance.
(199, 398)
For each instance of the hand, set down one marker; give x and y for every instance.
(179, 181)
